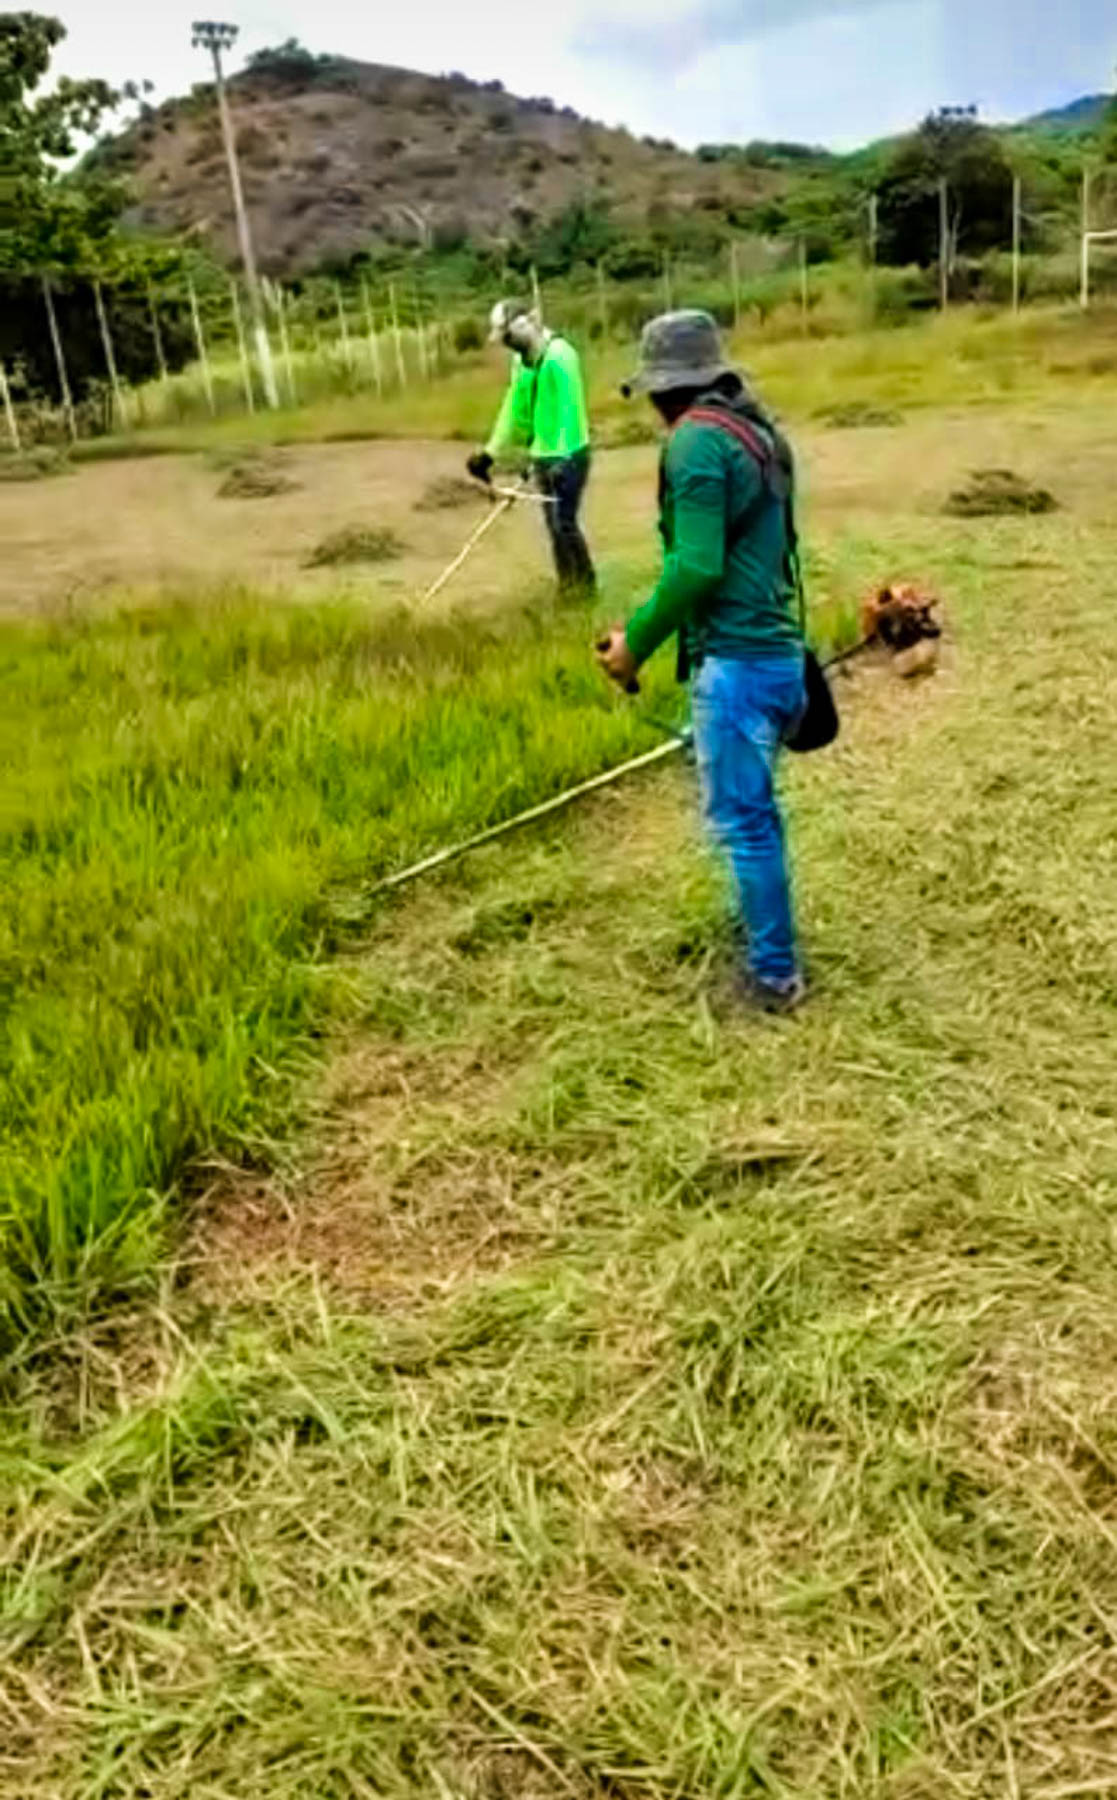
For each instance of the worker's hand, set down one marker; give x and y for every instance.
(480, 466)
(617, 660)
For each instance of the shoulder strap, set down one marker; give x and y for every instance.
(746, 435)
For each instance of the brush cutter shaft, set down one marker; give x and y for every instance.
(470, 544)
(524, 494)
(543, 811)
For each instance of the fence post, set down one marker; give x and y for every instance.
(1017, 207)
(1085, 294)
(536, 294)
(345, 349)
(804, 286)
(60, 361)
(9, 409)
(420, 341)
(944, 244)
(285, 345)
(735, 283)
(668, 305)
(401, 366)
(110, 356)
(602, 303)
(245, 368)
(203, 358)
(373, 340)
(874, 241)
(156, 333)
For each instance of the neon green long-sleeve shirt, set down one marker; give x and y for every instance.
(544, 410)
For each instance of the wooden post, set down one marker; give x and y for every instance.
(735, 284)
(60, 361)
(536, 294)
(668, 305)
(200, 341)
(285, 346)
(345, 349)
(1017, 208)
(245, 366)
(874, 242)
(804, 286)
(373, 341)
(9, 409)
(110, 356)
(1085, 294)
(602, 303)
(156, 333)
(401, 366)
(421, 342)
(944, 244)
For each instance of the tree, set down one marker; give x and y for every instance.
(41, 216)
(65, 225)
(953, 146)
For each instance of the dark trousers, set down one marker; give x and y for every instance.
(564, 481)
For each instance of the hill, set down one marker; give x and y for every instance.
(1082, 115)
(337, 155)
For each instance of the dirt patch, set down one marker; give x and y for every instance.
(990, 493)
(391, 1213)
(356, 544)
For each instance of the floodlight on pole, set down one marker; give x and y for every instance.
(217, 37)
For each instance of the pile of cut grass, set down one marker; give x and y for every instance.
(995, 493)
(36, 464)
(253, 475)
(356, 544)
(447, 493)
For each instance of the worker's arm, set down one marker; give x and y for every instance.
(694, 566)
(513, 423)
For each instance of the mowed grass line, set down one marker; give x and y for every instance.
(186, 788)
(633, 1399)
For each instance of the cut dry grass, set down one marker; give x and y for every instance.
(603, 1393)
(993, 493)
(255, 477)
(33, 465)
(356, 544)
(448, 493)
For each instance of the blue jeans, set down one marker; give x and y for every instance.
(742, 710)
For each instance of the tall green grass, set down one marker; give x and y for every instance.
(187, 786)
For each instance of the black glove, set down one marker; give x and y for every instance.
(480, 466)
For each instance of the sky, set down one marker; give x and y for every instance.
(834, 72)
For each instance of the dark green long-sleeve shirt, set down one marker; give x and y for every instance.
(727, 599)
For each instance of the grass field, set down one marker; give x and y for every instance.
(525, 1376)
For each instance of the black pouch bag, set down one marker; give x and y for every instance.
(818, 723)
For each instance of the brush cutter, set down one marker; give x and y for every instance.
(505, 499)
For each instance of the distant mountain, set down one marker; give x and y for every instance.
(339, 155)
(1080, 116)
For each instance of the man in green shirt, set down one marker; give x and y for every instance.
(544, 413)
(728, 592)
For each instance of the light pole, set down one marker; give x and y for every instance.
(211, 35)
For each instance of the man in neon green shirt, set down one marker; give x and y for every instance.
(544, 413)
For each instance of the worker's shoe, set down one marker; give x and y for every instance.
(772, 996)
